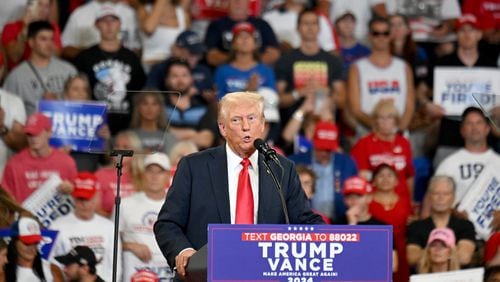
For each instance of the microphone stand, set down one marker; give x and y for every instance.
(120, 154)
(277, 186)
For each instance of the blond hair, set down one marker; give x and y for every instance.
(233, 99)
(425, 263)
(386, 106)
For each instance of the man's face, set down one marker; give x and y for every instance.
(85, 208)
(109, 27)
(156, 178)
(474, 129)
(307, 182)
(468, 37)
(309, 27)
(380, 36)
(238, 9)
(441, 196)
(240, 126)
(40, 141)
(179, 79)
(71, 271)
(346, 26)
(43, 43)
(244, 42)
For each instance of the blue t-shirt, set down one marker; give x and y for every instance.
(349, 55)
(230, 79)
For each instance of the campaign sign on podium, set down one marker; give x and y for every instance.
(299, 253)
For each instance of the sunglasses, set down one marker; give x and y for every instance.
(380, 33)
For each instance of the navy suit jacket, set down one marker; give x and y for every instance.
(199, 195)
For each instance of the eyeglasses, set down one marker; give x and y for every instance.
(380, 33)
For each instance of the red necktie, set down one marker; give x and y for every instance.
(244, 196)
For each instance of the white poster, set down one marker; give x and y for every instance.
(467, 275)
(47, 203)
(481, 199)
(456, 88)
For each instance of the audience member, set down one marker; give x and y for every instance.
(139, 213)
(441, 194)
(492, 274)
(466, 164)
(144, 275)
(331, 167)
(243, 72)
(85, 227)
(24, 259)
(307, 179)
(309, 73)
(189, 47)
(380, 76)
(299, 130)
(440, 254)
(42, 76)
(77, 89)
(385, 145)
(387, 206)
(160, 22)
(3, 258)
(28, 169)
(283, 21)
(15, 34)
(12, 120)
(131, 172)
(492, 250)
(80, 265)
(350, 48)
(80, 31)
(467, 55)
(180, 150)
(190, 119)
(112, 69)
(219, 35)
(486, 11)
(362, 10)
(149, 122)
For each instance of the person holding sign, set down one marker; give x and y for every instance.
(28, 169)
(227, 184)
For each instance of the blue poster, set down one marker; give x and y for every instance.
(45, 246)
(294, 253)
(75, 124)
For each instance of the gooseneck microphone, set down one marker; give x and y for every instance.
(270, 154)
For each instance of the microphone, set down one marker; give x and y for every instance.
(268, 152)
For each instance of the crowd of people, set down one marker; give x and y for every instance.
(348, 94)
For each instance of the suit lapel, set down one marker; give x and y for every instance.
(265, 190)
(218, 175)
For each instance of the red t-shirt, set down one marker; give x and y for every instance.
(106, 178)
(24, 173)
(370, 152)
(398, 218)
(486, 11)
(11, 32)
(491, 247)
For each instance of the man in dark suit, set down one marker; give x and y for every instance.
(207, 185)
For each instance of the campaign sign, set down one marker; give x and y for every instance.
(456, 88)
(45, 246)
(481, 200)
(467, 275)
(75, 124)
(215, 9)
(299, 253)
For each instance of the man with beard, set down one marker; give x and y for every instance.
(79, 265)
(190, 118)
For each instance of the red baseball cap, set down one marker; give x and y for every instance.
(243, 26)
(27, 230)
(37, 123)
(85, 185)
(326, 136)
(357, 185)
(465, 19)
(144, 275)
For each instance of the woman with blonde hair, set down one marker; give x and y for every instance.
(440, 254)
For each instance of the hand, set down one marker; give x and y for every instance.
(182, 260)
(141, 251)
(352, 215)
(65, 187)
(495, 223)
(50, 96)
(253, 82)
(434, 110)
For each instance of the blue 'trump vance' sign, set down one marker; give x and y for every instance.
(299, 253)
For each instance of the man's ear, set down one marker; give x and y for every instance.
(222, 128)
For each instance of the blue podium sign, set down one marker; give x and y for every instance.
(299, 253)
(75, 124)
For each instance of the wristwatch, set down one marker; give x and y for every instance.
(3, 131)
(298, 115)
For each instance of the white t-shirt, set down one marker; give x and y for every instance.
(14, 110)
(138, 215)
(362, 10)
(96, 234)
(382, 83)
(284, 24)
(80, 30)
(157, 46)
(26, 274)
(464, 167)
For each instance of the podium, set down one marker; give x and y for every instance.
(297, 253)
